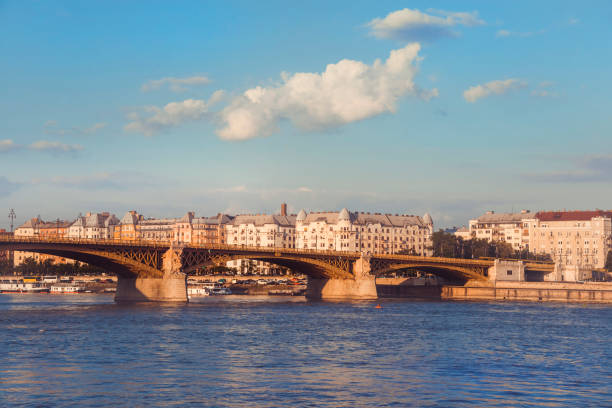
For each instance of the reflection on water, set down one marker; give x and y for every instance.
(274, 351)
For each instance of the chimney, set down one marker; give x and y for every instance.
(283, 209)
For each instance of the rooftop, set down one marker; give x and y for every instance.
(572, 215)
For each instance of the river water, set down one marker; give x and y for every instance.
(85, 350)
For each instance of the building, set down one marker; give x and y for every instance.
(581, 239)
(128, 228)
(93, 226)
(153, 229)
(37, 228)
(201, 230)
(364, 232)
(504, 227)
(260, 230)
(463, 233)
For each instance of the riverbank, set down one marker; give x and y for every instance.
(530, 291)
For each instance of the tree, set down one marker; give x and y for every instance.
(609, 261)
(451, 246)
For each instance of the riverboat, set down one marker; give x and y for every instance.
(61, 289)
(14, 286)
(207, 289)
(220, 291)
(197, 291)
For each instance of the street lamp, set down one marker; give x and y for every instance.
(12, 216)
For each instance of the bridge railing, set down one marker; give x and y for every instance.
(248, 248)
(168, 244)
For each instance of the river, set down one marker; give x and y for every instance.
(240, 351)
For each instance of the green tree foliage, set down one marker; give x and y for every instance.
(609, 261)
(30, 266)
(450, 246)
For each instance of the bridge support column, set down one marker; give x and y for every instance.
(361, 287)
(163, 289)
(171, 287)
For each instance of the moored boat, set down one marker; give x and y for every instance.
(66, 288)
(16, 286)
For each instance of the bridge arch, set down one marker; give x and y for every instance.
(107, 260)
(314, 268)
(449, 272)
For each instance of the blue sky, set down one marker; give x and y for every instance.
(237, 106)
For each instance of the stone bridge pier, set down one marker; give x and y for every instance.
(168, 285)
(361, 286)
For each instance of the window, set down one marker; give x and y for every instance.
(509, 272)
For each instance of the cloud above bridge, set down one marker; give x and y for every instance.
(7, 187)
(8, 145)
(498, 87)
(51, 127)
(345, 92)
(173, 114)
(415, 25)
(175, 84)
(588, 169)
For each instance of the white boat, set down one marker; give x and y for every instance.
(15, 286)
(59, 289)
(207, 289)
(197, 291)
(220, 291)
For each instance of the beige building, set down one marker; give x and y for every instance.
(504, 227)
(364, 232)
(128, 228)
(260, 230)
(572, 238)
(156, 229)
(37, 228)
(201, 230)
(93, 226)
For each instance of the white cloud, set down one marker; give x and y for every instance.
(304, 190)
(542, 93)
(51, 128)
(7, 187)
(345, 92)
(175, 84)
(523, 34)
(54, 147)
(173, 114)
(235, 189)
(492, 88)
(414, 25)
(544, 90)
(7, 145)
(124, 180)
(503, 33)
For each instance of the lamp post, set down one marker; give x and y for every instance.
(12, 216)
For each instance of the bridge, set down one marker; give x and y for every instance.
(157, 270)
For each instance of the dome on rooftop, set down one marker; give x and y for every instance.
(427, 219)
(301, 216)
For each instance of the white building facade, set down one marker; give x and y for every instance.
(260, 230)
(504, 227)
(94, 226)
(364, 232)
(581, 239)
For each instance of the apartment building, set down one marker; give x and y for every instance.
(374, 233)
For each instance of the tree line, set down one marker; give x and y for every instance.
(451, 246)
(32, 267)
